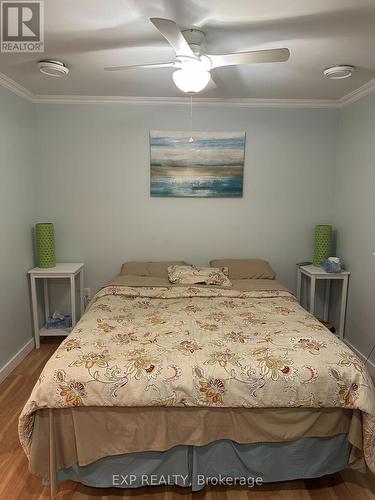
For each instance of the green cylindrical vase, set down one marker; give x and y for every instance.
(322, 243)
(45, 245)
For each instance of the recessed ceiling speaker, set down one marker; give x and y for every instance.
(339, 72)
(53, 68)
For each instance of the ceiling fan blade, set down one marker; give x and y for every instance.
(172, 33)
(252, 57)
(141, 66)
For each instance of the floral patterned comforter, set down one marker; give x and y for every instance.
(177, 346)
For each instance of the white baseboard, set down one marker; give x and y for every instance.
(16, 360)
(369, 365)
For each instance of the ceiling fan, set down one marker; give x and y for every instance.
(192, 64)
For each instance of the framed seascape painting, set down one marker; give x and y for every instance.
(197, 164)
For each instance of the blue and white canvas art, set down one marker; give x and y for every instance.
(197, 164)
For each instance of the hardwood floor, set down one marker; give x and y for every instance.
(17, 483)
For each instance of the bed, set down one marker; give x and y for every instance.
(192, 385)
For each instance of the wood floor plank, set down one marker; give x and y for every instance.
(16, 483)
(359, 485)
(288, 490)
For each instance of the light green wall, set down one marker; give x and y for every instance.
(91, 178)
(354, 215)
(93, 183)
(17, 192)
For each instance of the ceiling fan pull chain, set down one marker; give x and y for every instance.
(191, 119)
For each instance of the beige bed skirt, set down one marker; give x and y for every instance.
(84, 435)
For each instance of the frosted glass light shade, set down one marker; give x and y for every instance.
(192, 77)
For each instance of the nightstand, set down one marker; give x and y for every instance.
(62, 270)
(316, 273)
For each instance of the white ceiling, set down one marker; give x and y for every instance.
(90, 34)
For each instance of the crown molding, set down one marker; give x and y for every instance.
(15, 87)
(183, 101)
(357, 94)
(353, 96)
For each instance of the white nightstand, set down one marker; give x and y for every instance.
(62, 270)
(317, 273)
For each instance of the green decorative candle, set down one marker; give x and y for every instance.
(322, 243)
(45, 245)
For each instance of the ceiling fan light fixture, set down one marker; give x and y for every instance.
(339, 72)
(188, 81)
(192, 77)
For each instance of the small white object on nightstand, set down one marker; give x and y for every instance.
(317, 273)
(62, 270)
